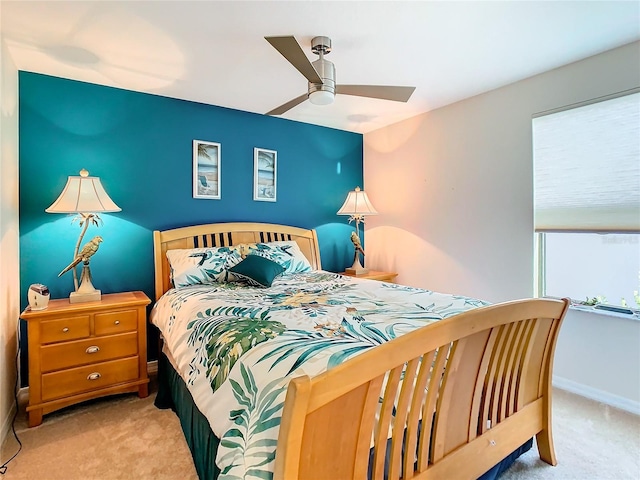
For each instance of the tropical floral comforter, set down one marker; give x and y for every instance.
(236, 347)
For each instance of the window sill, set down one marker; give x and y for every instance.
(631, 314)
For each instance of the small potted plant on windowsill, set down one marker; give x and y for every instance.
(593, 301)
(600, 303)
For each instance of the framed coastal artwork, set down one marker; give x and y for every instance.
(206, 170)
(265, 174)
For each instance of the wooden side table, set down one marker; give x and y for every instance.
(375, 275)
(86, 350)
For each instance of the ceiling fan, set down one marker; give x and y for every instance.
(321, 75)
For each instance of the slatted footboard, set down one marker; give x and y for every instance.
(447, 401)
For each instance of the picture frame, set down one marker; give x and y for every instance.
(206, 170)
(265, 174)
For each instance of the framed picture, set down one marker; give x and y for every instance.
(265, 174)
(206, 170)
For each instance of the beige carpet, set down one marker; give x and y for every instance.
(120, 437)
(125, 437)
(593, 442)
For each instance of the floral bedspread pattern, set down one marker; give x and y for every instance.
(237, 347)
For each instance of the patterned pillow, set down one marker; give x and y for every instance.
(202, 266)
(257, 271)
(286, 253)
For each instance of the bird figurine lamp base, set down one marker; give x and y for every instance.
(86, 291)
(357, 268)
(77, 297)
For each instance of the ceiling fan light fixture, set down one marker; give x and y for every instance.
(321, 97)
(321, 75)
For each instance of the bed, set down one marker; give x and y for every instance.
(341, 377)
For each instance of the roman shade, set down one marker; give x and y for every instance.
(587, 167)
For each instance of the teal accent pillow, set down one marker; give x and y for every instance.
(257, 271)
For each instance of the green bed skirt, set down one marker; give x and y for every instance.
(173, 393)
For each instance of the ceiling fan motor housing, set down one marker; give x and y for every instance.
(327, 73)
(320, 44)
(326, 70)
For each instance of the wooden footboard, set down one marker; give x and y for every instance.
(455, 398)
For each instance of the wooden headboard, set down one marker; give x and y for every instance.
(226, 235)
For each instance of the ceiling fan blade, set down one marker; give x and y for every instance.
(290, 49)
(288, 106)
(397, 94)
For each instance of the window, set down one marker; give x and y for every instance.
(588, 265)
(587, 200)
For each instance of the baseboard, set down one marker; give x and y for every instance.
(596, 394)
(6, 424)
(23, 396)
(152, 367)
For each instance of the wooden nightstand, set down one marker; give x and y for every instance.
(375, 275)
(86, 350)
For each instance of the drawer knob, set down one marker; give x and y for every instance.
(117, 322)
(65, 329)
(94, 376)
(93, 349)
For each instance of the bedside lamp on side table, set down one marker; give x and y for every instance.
(86, 197)
(357, 206)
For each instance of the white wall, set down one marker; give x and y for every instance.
(454, 186)
(9, 240)
(598, 356)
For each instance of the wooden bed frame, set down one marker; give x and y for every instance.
(476, 386)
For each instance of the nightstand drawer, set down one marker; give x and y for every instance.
(83, 352)
(84, 379)
(116, 322)
(64, 329)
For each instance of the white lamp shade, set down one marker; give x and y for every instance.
(321, 97)
(83, 194)
(357, 204)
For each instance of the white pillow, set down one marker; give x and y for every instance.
(286, 253)
(202, 266)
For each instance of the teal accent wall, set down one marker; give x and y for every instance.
(140, 146)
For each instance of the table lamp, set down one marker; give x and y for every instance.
(357, 206)
(85, 197)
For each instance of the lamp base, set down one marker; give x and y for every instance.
(357, 268)
(77, 297)
(86, 292)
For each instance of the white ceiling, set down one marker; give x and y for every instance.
(214, 52)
